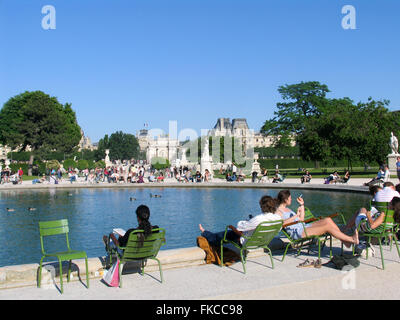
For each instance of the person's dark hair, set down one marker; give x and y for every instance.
(397, 187)
(388, 184)
(268, 204)
(395, 204)
(374, 189)
(143, 214)
(283, 195)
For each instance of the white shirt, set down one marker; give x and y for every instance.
(386, 195)
(248, 226)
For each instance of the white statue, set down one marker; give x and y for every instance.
(107, 158)
(394, 144)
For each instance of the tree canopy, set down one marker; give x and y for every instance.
(122, 146)
(39, 121)
(338, 129)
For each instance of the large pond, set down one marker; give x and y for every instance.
(94, 212)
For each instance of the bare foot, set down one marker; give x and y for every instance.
(201, 228)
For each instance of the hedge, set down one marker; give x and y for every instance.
(299, 163)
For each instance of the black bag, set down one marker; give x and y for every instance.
(345, 259)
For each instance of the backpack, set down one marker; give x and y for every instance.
(345, 259)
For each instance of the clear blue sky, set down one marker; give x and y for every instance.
(123, 63)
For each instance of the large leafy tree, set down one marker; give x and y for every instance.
(347, 131)
(39, 121)
(301, 101)
(329, 129)
(123, 146)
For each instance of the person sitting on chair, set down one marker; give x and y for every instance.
(346, 177)
(246, 228)
(306, 177)
(378, 179)
(143, 216)
(278, 177)
(317, 228)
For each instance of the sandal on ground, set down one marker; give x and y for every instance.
(306, 264)
(318, 263)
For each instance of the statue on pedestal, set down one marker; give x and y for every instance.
(256, 164)
(206, 160)
(107, 158)
(394, 144)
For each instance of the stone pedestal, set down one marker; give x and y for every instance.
(392, 159)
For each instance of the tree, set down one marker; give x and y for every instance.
(304, 100)
(346, 131)
(123, 146)
(36, 120)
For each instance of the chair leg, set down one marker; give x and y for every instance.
(270, 255)
(40, 272)
(319, 248)
(284, 254)
(87, 272)
(397, 245)
(222, 255)
(61, 276)
(69, 271)
(119, 274)
(243, 261)
(159, 266)
(380, 247)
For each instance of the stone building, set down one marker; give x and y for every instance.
(85, 143)
(158, 146)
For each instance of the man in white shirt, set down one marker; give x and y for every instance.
(245, 227)
(387, 193)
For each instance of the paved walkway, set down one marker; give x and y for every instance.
(358, 182)
(286, 281)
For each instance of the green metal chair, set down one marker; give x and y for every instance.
(137, 250)
(260, 238)
(308, 241)
(57, 227)
(386, 230)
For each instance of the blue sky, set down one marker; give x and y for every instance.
(123, 63)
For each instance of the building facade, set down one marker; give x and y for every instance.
(160, 146)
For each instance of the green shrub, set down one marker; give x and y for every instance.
(82, 164)
(69, 163)
(52, 164)
(100, 164)
(159, 163)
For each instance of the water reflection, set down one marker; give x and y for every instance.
(94, 212)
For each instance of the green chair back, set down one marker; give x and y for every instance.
(263, 234)
(308, 214)
(388, 223)
(137, 249)
(51, 228)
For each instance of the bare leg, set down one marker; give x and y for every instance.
(201, 228)
(328, 226)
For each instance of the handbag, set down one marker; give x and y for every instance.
(111, 277)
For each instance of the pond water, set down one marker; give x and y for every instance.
(91, 213)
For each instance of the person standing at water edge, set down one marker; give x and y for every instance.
(20, 174)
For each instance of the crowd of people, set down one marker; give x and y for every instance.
(278, 208)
